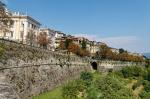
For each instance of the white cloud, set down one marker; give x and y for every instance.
(120, 41)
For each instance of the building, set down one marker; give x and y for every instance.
(115, 50)
(22, 25)
(59, 36)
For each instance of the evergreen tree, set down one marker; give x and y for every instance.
(83, 44)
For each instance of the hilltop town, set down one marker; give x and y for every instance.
(43, 63)
(27, 30)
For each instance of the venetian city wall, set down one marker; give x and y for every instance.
(27, 71)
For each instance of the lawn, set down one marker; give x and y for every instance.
(54, 94)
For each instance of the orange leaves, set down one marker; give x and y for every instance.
(106, 53)
(43, 39)
(74, 48)
(62, 45)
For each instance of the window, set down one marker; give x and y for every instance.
(11, 34)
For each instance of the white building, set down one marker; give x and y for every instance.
(58, 38)
(21, 26)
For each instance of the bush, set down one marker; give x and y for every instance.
(145, 95)
(147, 86)
(72, 89)
(137, 84)
(93, 93)
(148, 74)
(2, 49)
(112, 88)
(133, 71)
(87, 77)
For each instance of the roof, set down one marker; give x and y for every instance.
(26, 17)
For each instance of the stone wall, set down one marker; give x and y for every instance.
(28, 71)
(115, 65)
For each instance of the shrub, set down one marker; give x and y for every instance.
(137, 84)
(87, 77)
(148, 74)
(112, 88)
(93, 93)
(147, 86)
(2, 49)
(133, 71)
(145, 95)
(72, 89)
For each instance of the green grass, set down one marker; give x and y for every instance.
(57, 92)
(54, 94)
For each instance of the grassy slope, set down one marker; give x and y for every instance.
(54, 94)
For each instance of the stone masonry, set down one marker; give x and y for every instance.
(27, 71)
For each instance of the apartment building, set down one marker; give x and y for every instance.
(22, 25)
(59, 36)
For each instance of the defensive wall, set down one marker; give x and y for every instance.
(26, 71)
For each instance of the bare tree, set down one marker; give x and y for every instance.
(43, 40)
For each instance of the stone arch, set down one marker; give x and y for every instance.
(94, 65)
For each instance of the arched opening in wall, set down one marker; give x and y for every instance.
(94, 65)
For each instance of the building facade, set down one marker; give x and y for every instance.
(22, 25)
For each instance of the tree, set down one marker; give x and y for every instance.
(74, 48)
(31, 37)
(62, 45)
(121, 50)
(43, 40)
(104, 49)
(5, 20)
(83, 44)
(67, 42)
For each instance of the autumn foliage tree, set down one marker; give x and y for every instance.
(76, 49)
(106, 53)
(62, 45)
(73, 48)
(43, 40)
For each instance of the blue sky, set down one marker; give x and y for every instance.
(119, 23)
